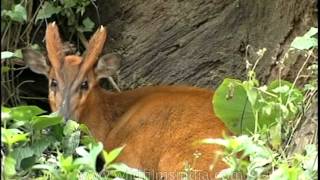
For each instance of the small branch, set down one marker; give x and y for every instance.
(35, 98)
(83, 39)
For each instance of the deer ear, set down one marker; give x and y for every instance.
(36, 61)
(107, 65)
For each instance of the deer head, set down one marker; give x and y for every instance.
(72, 78)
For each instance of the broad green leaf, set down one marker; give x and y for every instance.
(11, 136)
(9, 166)
(112, 155)
(231, 105)
(70, 127)
(6, 54)
(28, 162)
(90, 159)
(312, 31)
(82, 151)
(57, 132)
(25, 113)
(21, 153)
(41, 145)
(252, 95)
(71, 142)
(281, 89)
(304, 43)
(42, 122)
(18, 13)
(47, 10)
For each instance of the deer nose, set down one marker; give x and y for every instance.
(64, 111)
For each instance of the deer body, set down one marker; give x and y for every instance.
(159, 125)
(156, 124)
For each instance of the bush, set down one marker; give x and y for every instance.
(264, 118)
(44, 147)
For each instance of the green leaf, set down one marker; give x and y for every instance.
(21, 153)
(275, 135)
(83, 128)
(112, 155)
(304, 43)
(252, 95)
(286, 172)
(70, 127)
(9, 166)
(6, 54)
(11, 136)
(48, 167)
(226, 173)
(5, 114)
(311, 161)
(66, 164)
(40, 145)
(18, 53)
(28, 162)
(47, 10)
(90, 159)
(25, 113)
(82, 151)
(71, 142)
(87, 25)
(69, 3)
(18, 13)
(88, 140)
(283, 88)
(42, 122)
(312, 31)
(232, 95)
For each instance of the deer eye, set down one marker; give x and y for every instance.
(54, 83)
(84, 85)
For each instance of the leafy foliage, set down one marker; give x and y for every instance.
(18, 13)
(265, 113)
(306, 41)
(43, 146)
(21, 22)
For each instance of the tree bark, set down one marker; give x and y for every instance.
(200, 42)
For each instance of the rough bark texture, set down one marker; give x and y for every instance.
(199, 42)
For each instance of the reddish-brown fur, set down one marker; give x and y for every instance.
(159, 125)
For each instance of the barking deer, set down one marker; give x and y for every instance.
(158, 124)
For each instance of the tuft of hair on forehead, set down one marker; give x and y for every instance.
(72, 60)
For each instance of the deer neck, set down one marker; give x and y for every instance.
(103, 110)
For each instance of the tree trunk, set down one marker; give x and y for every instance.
(200, 42)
